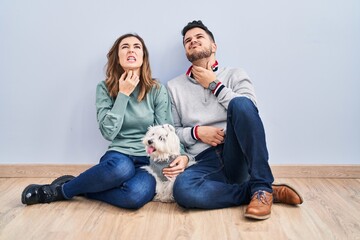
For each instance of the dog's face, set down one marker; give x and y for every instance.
(161, 142)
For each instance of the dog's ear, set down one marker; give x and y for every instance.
(173, 142)
(170, 127)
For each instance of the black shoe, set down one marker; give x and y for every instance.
(35, 193)
(63, 179)
(47, 193)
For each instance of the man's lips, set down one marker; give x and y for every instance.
(195, 45)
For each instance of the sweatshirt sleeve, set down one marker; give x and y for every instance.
(239, 84)
(110, 113)
(162, 107)
(184, 133)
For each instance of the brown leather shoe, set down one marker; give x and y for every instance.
(283, 193)
(260, 205)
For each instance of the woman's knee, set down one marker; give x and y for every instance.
(119, 167)
(141, 191)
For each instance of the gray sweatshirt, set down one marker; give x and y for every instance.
(193, 105)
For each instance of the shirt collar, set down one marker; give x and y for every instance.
(214, 67)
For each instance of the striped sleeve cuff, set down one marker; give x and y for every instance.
(194, 134)
(218, 89)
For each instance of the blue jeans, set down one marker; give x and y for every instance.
(228, 174)
(117, 180)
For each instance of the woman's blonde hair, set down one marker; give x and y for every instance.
(114, 70)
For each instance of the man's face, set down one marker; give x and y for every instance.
(198, 44)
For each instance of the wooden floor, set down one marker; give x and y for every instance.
(331, 210)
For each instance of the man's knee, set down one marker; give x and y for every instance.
(183, 192)
(241, 105)
(180, 186)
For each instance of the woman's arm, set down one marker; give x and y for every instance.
(162, 106)
(110, 113)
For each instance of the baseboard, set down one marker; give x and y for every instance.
(316, 171)
(41, 170)
(279, 171)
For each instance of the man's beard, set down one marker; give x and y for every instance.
(199, 55)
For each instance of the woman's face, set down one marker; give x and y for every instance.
(131, 54)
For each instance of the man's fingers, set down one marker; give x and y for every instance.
(173, 170)
(219, 138)
(221, 132)
(173, 173)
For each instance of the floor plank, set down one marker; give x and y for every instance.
(331, 210)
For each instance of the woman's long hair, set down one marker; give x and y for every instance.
(114, 70)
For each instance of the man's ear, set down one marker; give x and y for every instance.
(213, 47)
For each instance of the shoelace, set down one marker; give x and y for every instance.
(261, 196)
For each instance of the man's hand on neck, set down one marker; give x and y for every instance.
(203, 73)
(204, 63)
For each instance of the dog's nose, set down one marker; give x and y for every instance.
(150, 141)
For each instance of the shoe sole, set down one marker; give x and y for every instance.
(257, 217)
(23, 194)
(287, 185)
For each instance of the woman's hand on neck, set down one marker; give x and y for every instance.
(135, 71)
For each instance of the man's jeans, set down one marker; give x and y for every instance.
(117, 179)
(228, 174)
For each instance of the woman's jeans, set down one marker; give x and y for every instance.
(228, 174)
(117, 180)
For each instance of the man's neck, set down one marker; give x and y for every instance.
(204, 62)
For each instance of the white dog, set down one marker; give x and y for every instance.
(163, 146)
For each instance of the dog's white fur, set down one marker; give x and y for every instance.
(163, 146)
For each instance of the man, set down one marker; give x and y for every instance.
(217, 120)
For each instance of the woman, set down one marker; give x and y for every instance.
(127, 102)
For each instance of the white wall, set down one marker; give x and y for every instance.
(303, 57)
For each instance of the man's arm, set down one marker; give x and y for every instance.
(238, 84)
(184, 133)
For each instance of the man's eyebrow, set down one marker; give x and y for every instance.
(196, 35)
